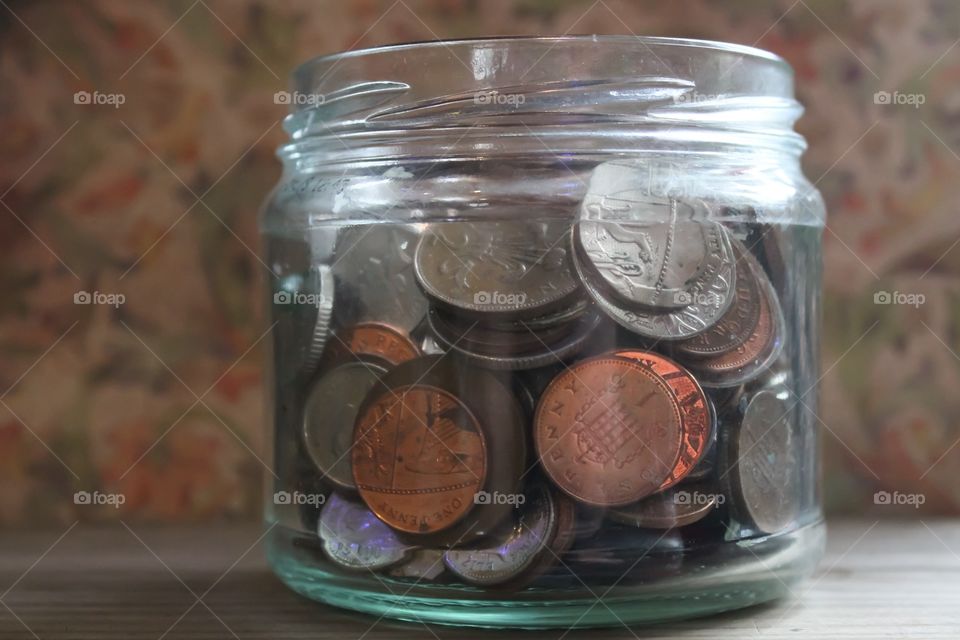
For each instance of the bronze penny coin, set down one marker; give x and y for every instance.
(698, 419)
(739, 323)
(608, 431)
(494, 413)
(374, 340)
(419, 458)
(757, 352)
(677, 507)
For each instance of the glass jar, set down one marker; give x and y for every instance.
(545, 327)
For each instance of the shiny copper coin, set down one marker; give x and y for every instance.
(375, 340)
(419, 458)
(698, 420)
(608, 431)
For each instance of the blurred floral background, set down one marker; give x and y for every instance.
(145, 185)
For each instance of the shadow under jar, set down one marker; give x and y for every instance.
(546, 322)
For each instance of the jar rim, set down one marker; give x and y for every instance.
(643, 41)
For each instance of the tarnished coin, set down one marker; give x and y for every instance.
(608, 431)
(302, 309)
(517, 268)
(762, 340)
(329, 414)
(763, 467)
(701, 312)
(374, 340)
(419, 458)
(677, 507)
(373, 265)
(423, 564)
(354, 538)
(699, 423)
(507, 558)
(661, 263)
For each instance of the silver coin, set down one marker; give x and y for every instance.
(704, 310)
(354, 538)
(516, 268)
(507, 558)
(665, 264)
(321, 328)
(423, 564)
(373, 265)
(766, 474)
(329, 414)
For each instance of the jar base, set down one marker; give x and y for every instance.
(730, 575)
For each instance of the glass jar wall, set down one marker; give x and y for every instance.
(545, 323)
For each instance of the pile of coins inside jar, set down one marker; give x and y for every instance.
(495, 402)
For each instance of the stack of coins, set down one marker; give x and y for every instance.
(523, 401)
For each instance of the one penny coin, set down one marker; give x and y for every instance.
(374, 340)
(608, 431)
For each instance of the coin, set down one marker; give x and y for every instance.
(489, 404)
(762, 464)
(354, 538)
(423, 564)
(521, 269)
(321, 280)
(506, 558)
(608, 431)
(661, 263)
(329, 414)
(740, 321)
(677, 507)
(373, 266)
(374, 340)
(699, 423)
(762, 344)
(419, 458)
(703, 310)
(514, 350)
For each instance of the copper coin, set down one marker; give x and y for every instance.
(760, 349)
(739, 323)
(678, 507)
(608, 431)
(698, 420)
(375, 340)
(419, 458)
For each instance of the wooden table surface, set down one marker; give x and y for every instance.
(887, 579)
